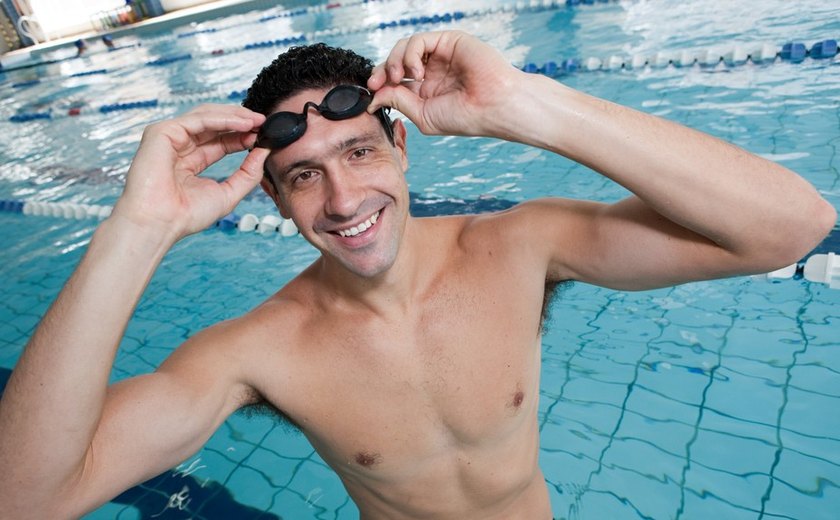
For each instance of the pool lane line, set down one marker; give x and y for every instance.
(249, 222)
(740, 55)
(817, 266)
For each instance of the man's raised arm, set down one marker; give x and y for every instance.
(61, 429)
(702, 209)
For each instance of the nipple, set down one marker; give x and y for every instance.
(366, 459)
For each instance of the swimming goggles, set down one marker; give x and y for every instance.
(342, 102)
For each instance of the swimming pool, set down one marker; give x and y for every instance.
(708, 399)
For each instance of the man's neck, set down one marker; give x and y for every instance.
(389, 292)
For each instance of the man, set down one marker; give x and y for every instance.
(409, 352)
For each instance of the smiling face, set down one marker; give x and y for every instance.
(343, 184)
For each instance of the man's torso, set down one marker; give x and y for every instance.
(429, 408)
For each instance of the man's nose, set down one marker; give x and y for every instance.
(345, 194)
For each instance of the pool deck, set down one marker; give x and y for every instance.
(31, 55)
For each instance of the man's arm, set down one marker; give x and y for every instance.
(66, 440)
(702, 208)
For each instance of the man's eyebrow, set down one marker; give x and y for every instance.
(338, 148)
(367, 137)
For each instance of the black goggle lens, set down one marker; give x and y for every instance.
(284, 128)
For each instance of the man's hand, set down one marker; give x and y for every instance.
(163, 190)
(461, 85)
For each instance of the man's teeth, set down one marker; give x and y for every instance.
(361, 228)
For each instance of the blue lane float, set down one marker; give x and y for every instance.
(794, 52)
(823, 50)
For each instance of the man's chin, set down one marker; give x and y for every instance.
(366, 270)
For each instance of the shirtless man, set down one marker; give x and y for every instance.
(409, 352)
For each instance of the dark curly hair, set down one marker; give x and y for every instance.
(305, 67)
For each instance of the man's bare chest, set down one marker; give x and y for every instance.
(461, 371)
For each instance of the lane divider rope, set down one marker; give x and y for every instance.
(740, 55)
(818, 268)
(249, 222)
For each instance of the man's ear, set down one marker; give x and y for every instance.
(400, 142)
(268, 188)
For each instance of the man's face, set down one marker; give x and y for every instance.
(344, 186)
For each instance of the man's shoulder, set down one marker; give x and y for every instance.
(283, 309)
(520, 234)
(519, 220)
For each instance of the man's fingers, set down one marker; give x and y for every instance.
(377, 77)
(417, 51)
(403, 99)
(197, 125)
(205, 121)
(393, 66)
(206, 134)
(246, 178)
(233, 142)
(407, 60)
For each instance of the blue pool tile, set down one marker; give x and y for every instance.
(823, 354)
(682, 380)
(661, 406)
(804, 484)
(730, 453)
(565, 469)
(745, 398)
(648, 460)
(252, 487)
(805, 413)
(776, 347)
(577, 438)
(588, 390)
(659, 494)
(714, 421)
(814, 379)
(711, 493)
(669, 435)
(600, 503)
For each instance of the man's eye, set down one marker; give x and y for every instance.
(361, 152)
(304, 176)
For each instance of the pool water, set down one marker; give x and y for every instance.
(713, 399)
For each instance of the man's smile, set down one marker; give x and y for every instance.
(361, 227)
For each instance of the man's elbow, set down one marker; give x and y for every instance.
(823, 220)
(808, 233)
